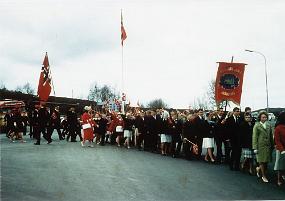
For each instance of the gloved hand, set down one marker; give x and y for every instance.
(282, 152)
(255, 151)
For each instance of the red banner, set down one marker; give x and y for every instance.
(229, 82)
(44, 87)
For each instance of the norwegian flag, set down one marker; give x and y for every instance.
(123, 31)
(44, 87)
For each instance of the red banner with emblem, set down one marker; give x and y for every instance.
(44, 87)
(229, 82)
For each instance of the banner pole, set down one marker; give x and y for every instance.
(51, 77)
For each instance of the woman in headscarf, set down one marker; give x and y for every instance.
(87, 125)
(262, 144)
(279, 137)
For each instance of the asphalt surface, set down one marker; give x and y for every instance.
(66, 171)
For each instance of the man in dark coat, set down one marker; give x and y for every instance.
(40, 119)
(25, 120)
(176, 136)
(55, 123)
(221, 137)
(71, 122)
(9, 124)
(232, 125)
(103, 128)
(149, 121)
(201, 129)
(188, 134)
(140, 127)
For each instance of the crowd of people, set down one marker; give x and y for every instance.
(241, 141)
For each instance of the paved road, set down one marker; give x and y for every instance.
(66, 171)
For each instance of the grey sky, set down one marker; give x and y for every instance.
(170, 53)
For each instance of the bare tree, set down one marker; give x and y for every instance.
(19, 89)
(27, 88)
(211, 94)
(106, 93)
(94, 92)
(101, 94)
(157, 103)
(2, 85)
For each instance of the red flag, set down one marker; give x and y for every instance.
(123, 32)
(44, 87)
(229, 82)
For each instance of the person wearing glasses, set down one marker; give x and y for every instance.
(262, 144)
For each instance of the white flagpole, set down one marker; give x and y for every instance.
(123, 102)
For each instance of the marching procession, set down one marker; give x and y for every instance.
(233, 138)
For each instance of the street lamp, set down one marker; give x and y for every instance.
(267, 108)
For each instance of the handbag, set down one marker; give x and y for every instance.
(85, 126)
(119, 129)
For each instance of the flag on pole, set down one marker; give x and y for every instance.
(123, 32)
(229, 82)
(44, 87)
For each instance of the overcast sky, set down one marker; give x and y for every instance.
(170, 53)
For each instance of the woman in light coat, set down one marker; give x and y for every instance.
(262, 144)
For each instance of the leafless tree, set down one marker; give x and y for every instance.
(157, 103)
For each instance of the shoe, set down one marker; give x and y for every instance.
(257, 172)
(91, 145)
(73, 141)
(82, 144)
(49, 142)
(265, 180)
(36, 143)
(279, 183)
(250, 172)
(129, 147)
